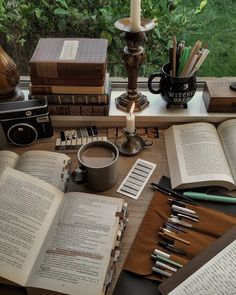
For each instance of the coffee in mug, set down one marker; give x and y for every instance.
(98, 162)
(98, 156)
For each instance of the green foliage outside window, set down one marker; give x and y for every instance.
(23, 22)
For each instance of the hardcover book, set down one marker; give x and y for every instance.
(69, 59)
(54, 242)
(50, 91)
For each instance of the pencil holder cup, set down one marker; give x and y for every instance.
(174, 90)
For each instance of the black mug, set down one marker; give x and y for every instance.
(174, 90)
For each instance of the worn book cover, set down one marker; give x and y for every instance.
(68, 58)
(84, 95)
(51, 90)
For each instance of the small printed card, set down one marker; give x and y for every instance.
(136, 179)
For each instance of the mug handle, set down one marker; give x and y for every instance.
(150, 79)
(79, 175)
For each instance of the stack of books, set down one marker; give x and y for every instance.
(71, 73)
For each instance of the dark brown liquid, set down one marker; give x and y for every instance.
(98, 156)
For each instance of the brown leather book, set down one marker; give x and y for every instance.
(66, 89)
(70, 58)
(79, 81)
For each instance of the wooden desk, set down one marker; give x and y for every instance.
(156, 154)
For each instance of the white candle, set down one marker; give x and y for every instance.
(135, 12)
(131, 120)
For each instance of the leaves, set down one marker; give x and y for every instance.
(60, 11)
(22, 22)
(201, 6)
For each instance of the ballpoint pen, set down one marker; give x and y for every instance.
(174, 227)
(172, 193)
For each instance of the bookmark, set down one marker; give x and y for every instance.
(136, 179)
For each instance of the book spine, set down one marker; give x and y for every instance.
(100, 99)
(78, 81)
(78, 110)
(68, 70)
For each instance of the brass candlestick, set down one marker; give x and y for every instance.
(130, 144)
(133, 56)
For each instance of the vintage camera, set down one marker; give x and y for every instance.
(23, 122)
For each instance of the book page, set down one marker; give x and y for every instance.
(48, 166)
(78, 255)
(196, 157)
(217, 276)
(28, 206)
(7, 158)
(226, 132)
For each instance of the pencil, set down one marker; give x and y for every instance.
(194, 51)
(173, 236)
(200, 61)
(174, 56)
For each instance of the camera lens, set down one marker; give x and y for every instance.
(22, 134)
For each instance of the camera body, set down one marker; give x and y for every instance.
(24, 122)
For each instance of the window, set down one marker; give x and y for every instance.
(23, 22)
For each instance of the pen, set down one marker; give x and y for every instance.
(184, 210)
(176, 212)
(166, 266)
(172, 248)
(206, 197)
(168, 260)
(172, 193)
(161, 253)
(187, 217)
(176, 220)
(156, 187)
(161, 271)
(176, 227)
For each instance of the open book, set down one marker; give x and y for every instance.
(213, 271)
(53, 242)
(50, 166)
(199, 154)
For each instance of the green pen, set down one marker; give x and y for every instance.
(168, 260)
(206, 197)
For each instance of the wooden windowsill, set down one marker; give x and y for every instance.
(155, 115)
